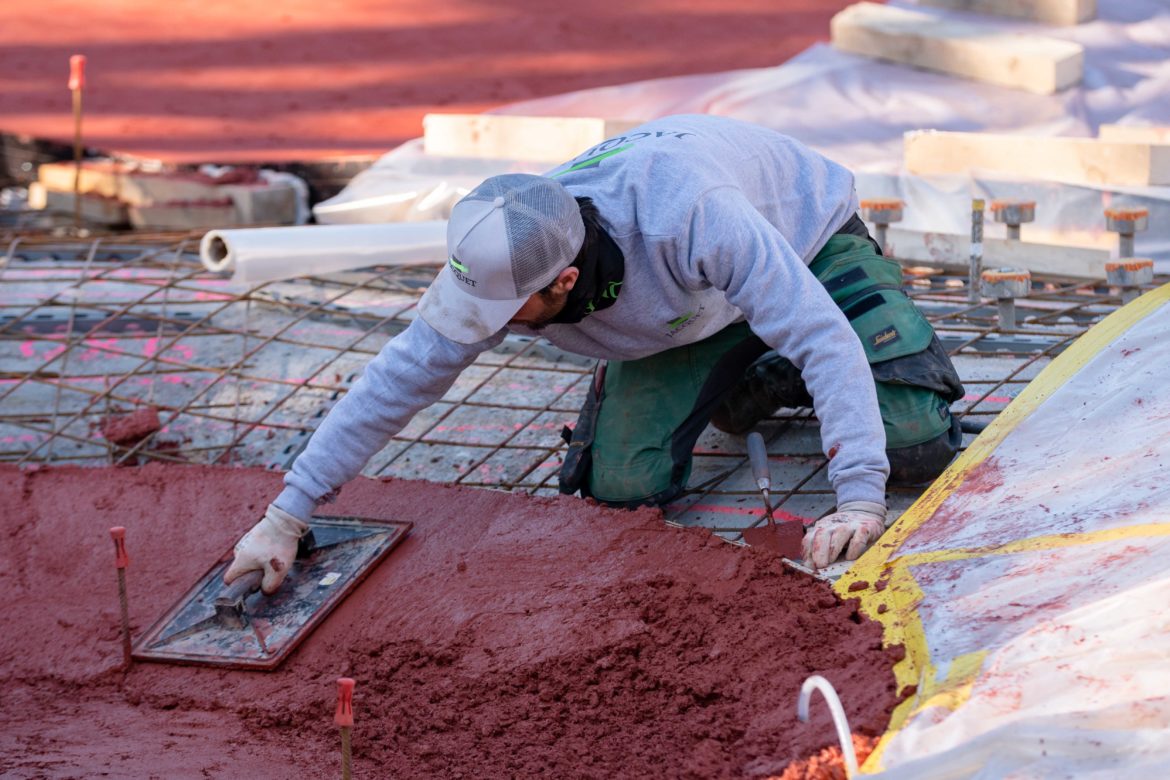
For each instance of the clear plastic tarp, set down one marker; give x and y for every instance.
(1028, 583)
(855, 110)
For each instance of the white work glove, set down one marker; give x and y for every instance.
(852, 529)
(271, 547)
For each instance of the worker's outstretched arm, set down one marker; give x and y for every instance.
(735, 249)
(411, 372)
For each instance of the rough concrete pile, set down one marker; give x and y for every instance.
(507, 635)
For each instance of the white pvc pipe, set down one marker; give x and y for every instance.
(256, 255)
(844, 736)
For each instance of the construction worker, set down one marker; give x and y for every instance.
(718, 271)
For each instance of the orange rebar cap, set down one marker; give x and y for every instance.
(1000, 205)
(1127, 213)
(1000, 276)
(1131, 264)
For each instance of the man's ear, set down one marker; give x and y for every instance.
(566, 280)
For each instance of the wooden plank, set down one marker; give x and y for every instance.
(951, 251)
(1055, 12)
(1074, 160)
(134, 187)
(94, 208)
(1132, 134)
(973, 51)
(185, 215)
(536, 138)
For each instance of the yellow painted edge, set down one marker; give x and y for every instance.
(1037, 543)
(901, 623)
(950, 694)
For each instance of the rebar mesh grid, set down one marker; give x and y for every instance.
(92, 331)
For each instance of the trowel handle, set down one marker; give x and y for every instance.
(758, 454)
(241, 588)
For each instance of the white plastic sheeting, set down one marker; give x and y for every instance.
(256, 255)
(855, 110)
(1029, 583)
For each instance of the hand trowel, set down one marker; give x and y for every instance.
(239, 627)
(783, 538)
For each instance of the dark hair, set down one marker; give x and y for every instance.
(593, 230)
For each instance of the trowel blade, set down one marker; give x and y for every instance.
(782, 538)
(345, 551)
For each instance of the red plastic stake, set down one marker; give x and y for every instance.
(122, 560)
(76, 83)
(118, 534)
(77, 71)
(344, 715)
(344, 718)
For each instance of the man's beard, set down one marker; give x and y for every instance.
(556, 305)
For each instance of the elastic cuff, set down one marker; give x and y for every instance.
(860, 491)
(296, 503)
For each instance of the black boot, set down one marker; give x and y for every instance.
(770, 383)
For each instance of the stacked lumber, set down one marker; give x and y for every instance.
(958, 48)
(1055, 12)
(953, 252)
(1134, 134)
(550, 139)
(1071, 160)
(114, 192)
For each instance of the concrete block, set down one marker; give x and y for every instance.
(185, 215)
(953, 252)
(973, 51)
(1055, 12)
(262, 203)
(1132, 134)
(134, 186)
(536, 138)
(1072, 160)
(95, 209)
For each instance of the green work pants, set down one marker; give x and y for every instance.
(633, 441)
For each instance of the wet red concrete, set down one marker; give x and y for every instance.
(506, 636)
(252, 79)
(129, 429)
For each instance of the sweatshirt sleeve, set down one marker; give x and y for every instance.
(412, 371)
(733, 248)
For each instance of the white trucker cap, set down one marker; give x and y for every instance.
(506, 239)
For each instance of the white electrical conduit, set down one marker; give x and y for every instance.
(255, 255)
(844, 736)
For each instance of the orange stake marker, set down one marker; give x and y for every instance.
(343, 717)
(76, 83)
(122, 560)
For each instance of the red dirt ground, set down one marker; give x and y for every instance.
(506, 636)
(254, 80)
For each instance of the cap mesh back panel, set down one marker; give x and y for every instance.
(537, 216)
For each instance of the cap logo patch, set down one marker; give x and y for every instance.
(461, 271)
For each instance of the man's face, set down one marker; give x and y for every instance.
(539, 309)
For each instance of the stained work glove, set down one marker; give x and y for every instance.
(271, 547)
(852, 529)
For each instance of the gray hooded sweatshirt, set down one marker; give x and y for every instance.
(718, 221)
